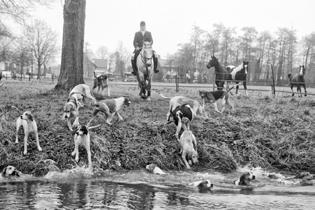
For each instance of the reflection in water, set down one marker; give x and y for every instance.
(174, 199)
(89, 194)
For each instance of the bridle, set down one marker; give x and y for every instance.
(144, 59)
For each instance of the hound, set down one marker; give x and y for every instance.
(100, 84)
(188, 144)
(245, 179)
(111, 107)
(213, 97)
(203, 186)
(176, 101)
(71, 112)
(10, 171)
(81, 91)
(82, 137)
(27, 121)
(153, 168)
(178, 113)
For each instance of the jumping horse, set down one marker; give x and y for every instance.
(233, 74)
(298, 81)
(144, 71)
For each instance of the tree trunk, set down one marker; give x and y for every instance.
(38, 69)
(71, 70)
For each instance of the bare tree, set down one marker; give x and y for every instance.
(308, 45)
(42, 41)
(102, 52)
(22, 55)
(71, 71)
(17, 9)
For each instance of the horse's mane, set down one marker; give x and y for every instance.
(220, 69)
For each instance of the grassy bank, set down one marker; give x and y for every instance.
(271, 133)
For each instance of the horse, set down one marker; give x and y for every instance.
(1, 75)
(231, 73)
(144, 73)
(298, 81)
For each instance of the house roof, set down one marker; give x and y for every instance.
(100, 63)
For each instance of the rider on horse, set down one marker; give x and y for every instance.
(140, 37)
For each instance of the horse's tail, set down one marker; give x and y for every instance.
(290, 76)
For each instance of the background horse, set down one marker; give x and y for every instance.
(235, 74)
(145, 66)
(1, 83)
(298, 81)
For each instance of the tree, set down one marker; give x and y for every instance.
(22, 55)
(197, 43)
(249, 36)
(102, 52)
(263, 40)
(71, 71)
(18, 10)
(42, 41)
(308, 45)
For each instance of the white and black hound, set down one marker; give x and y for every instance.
(213, 97)
(10, 171)
(111, 107)
(71, 112)
(82, 137)
(27, 121)
(197, 109)
(245, 179)
(203, 186)
(80, 92)
(178, 114)
(99, 86)
(188, 144)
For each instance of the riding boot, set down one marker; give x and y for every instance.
(133, 65)
(155, 64)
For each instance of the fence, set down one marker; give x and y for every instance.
(274, 88)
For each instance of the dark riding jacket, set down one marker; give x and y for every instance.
(139, 38)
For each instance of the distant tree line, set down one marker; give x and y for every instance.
(35, 46)
(281, 49)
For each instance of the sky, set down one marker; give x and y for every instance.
(111, 22)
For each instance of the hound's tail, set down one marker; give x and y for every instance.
(163, 96)
(230, 89)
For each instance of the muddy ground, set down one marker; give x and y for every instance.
(272, 133)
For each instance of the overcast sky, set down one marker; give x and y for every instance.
(109, 22)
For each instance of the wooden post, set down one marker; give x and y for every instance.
(176, 81)
(213, 83)
(273, 85)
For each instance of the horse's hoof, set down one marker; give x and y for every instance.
(148, 99)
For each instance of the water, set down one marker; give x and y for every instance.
(140, 190)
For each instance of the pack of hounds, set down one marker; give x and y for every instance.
(182, 110)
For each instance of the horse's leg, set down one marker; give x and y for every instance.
(149, 88)
(292, 90)
(237, 87)
(305, 92)
(218, 84)
(245, 87)
(298, 90)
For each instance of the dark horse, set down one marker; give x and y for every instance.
(1, 78)
(236, 74)
(298, 81)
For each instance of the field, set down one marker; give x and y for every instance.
(274, 133)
